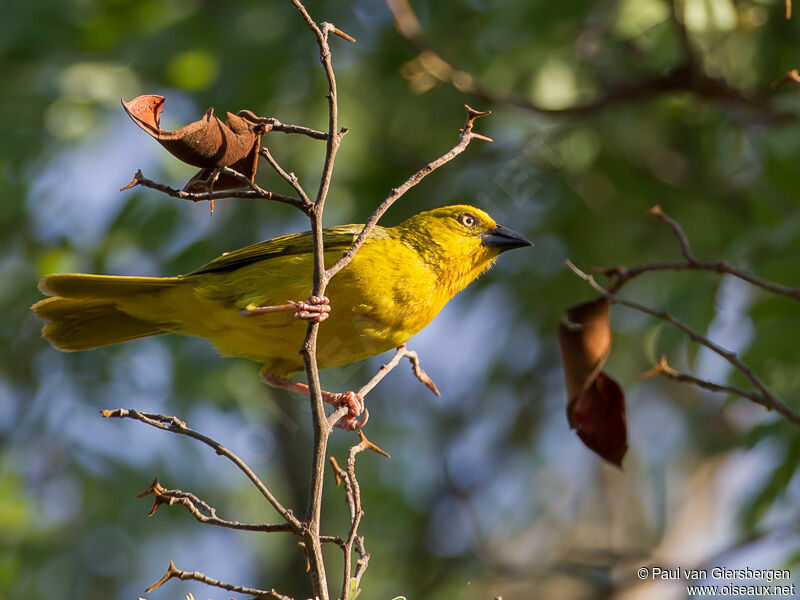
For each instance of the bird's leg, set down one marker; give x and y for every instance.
(353, 402)
(316, 308)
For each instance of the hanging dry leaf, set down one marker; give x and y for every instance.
(208, 143)
(596, 408)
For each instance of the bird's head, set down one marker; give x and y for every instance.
(459, 241)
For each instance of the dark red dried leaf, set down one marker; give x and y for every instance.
(246, 166)
(596, 407)
(598, 417)
(208, 143)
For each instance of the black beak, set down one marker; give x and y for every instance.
(504, 239)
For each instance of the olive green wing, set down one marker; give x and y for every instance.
(339, 238)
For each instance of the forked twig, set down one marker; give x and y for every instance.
(174, 572)
(175, 425)
(202, 511)
(466, 135)
(621, 275)
(763, 397)
(254, 192)
(351, 581)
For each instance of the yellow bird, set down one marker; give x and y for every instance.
(395, 285)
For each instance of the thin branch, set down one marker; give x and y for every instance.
(466, 135)
(679, 24)
(350, 580)
(401, 353)
(664, 369)
(621, 275)
(765, 397)
(273, 124)
(255, 192)
(290, 178)
(175, 573)
(175, 425)
(321, 428)
(684, 77)
(202, 511)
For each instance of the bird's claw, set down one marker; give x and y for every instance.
(316, 309)
(355, 408)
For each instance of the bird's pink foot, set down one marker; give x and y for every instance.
(353, 401)
(316, 309)
(355, 408)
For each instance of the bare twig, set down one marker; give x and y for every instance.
(255, 192)
(401, 353)
(273, 124)
(466, 135)
(351, 581)
(175, 573)
(290, 178)
(621, 275)
(664, 369)
(202, 511)
(175, 425)
(764, 397)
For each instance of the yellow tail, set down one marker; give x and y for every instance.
(84, 314)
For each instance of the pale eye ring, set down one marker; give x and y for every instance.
(467, 220)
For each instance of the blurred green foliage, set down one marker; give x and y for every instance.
(488, 492)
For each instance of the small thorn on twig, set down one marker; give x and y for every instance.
(308, 562)
(367, 445)
(661, 368)
(343, 35)
(791, 76)
(157, 490)
(137, 179)
(152, 488)
(479, 136)
(654, 211)
(474, 114)
(336, 470)
(172, 571)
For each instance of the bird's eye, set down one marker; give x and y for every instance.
(467, 220)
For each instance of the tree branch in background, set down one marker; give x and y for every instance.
(621, 275)
(686, 76)
(762, 396)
